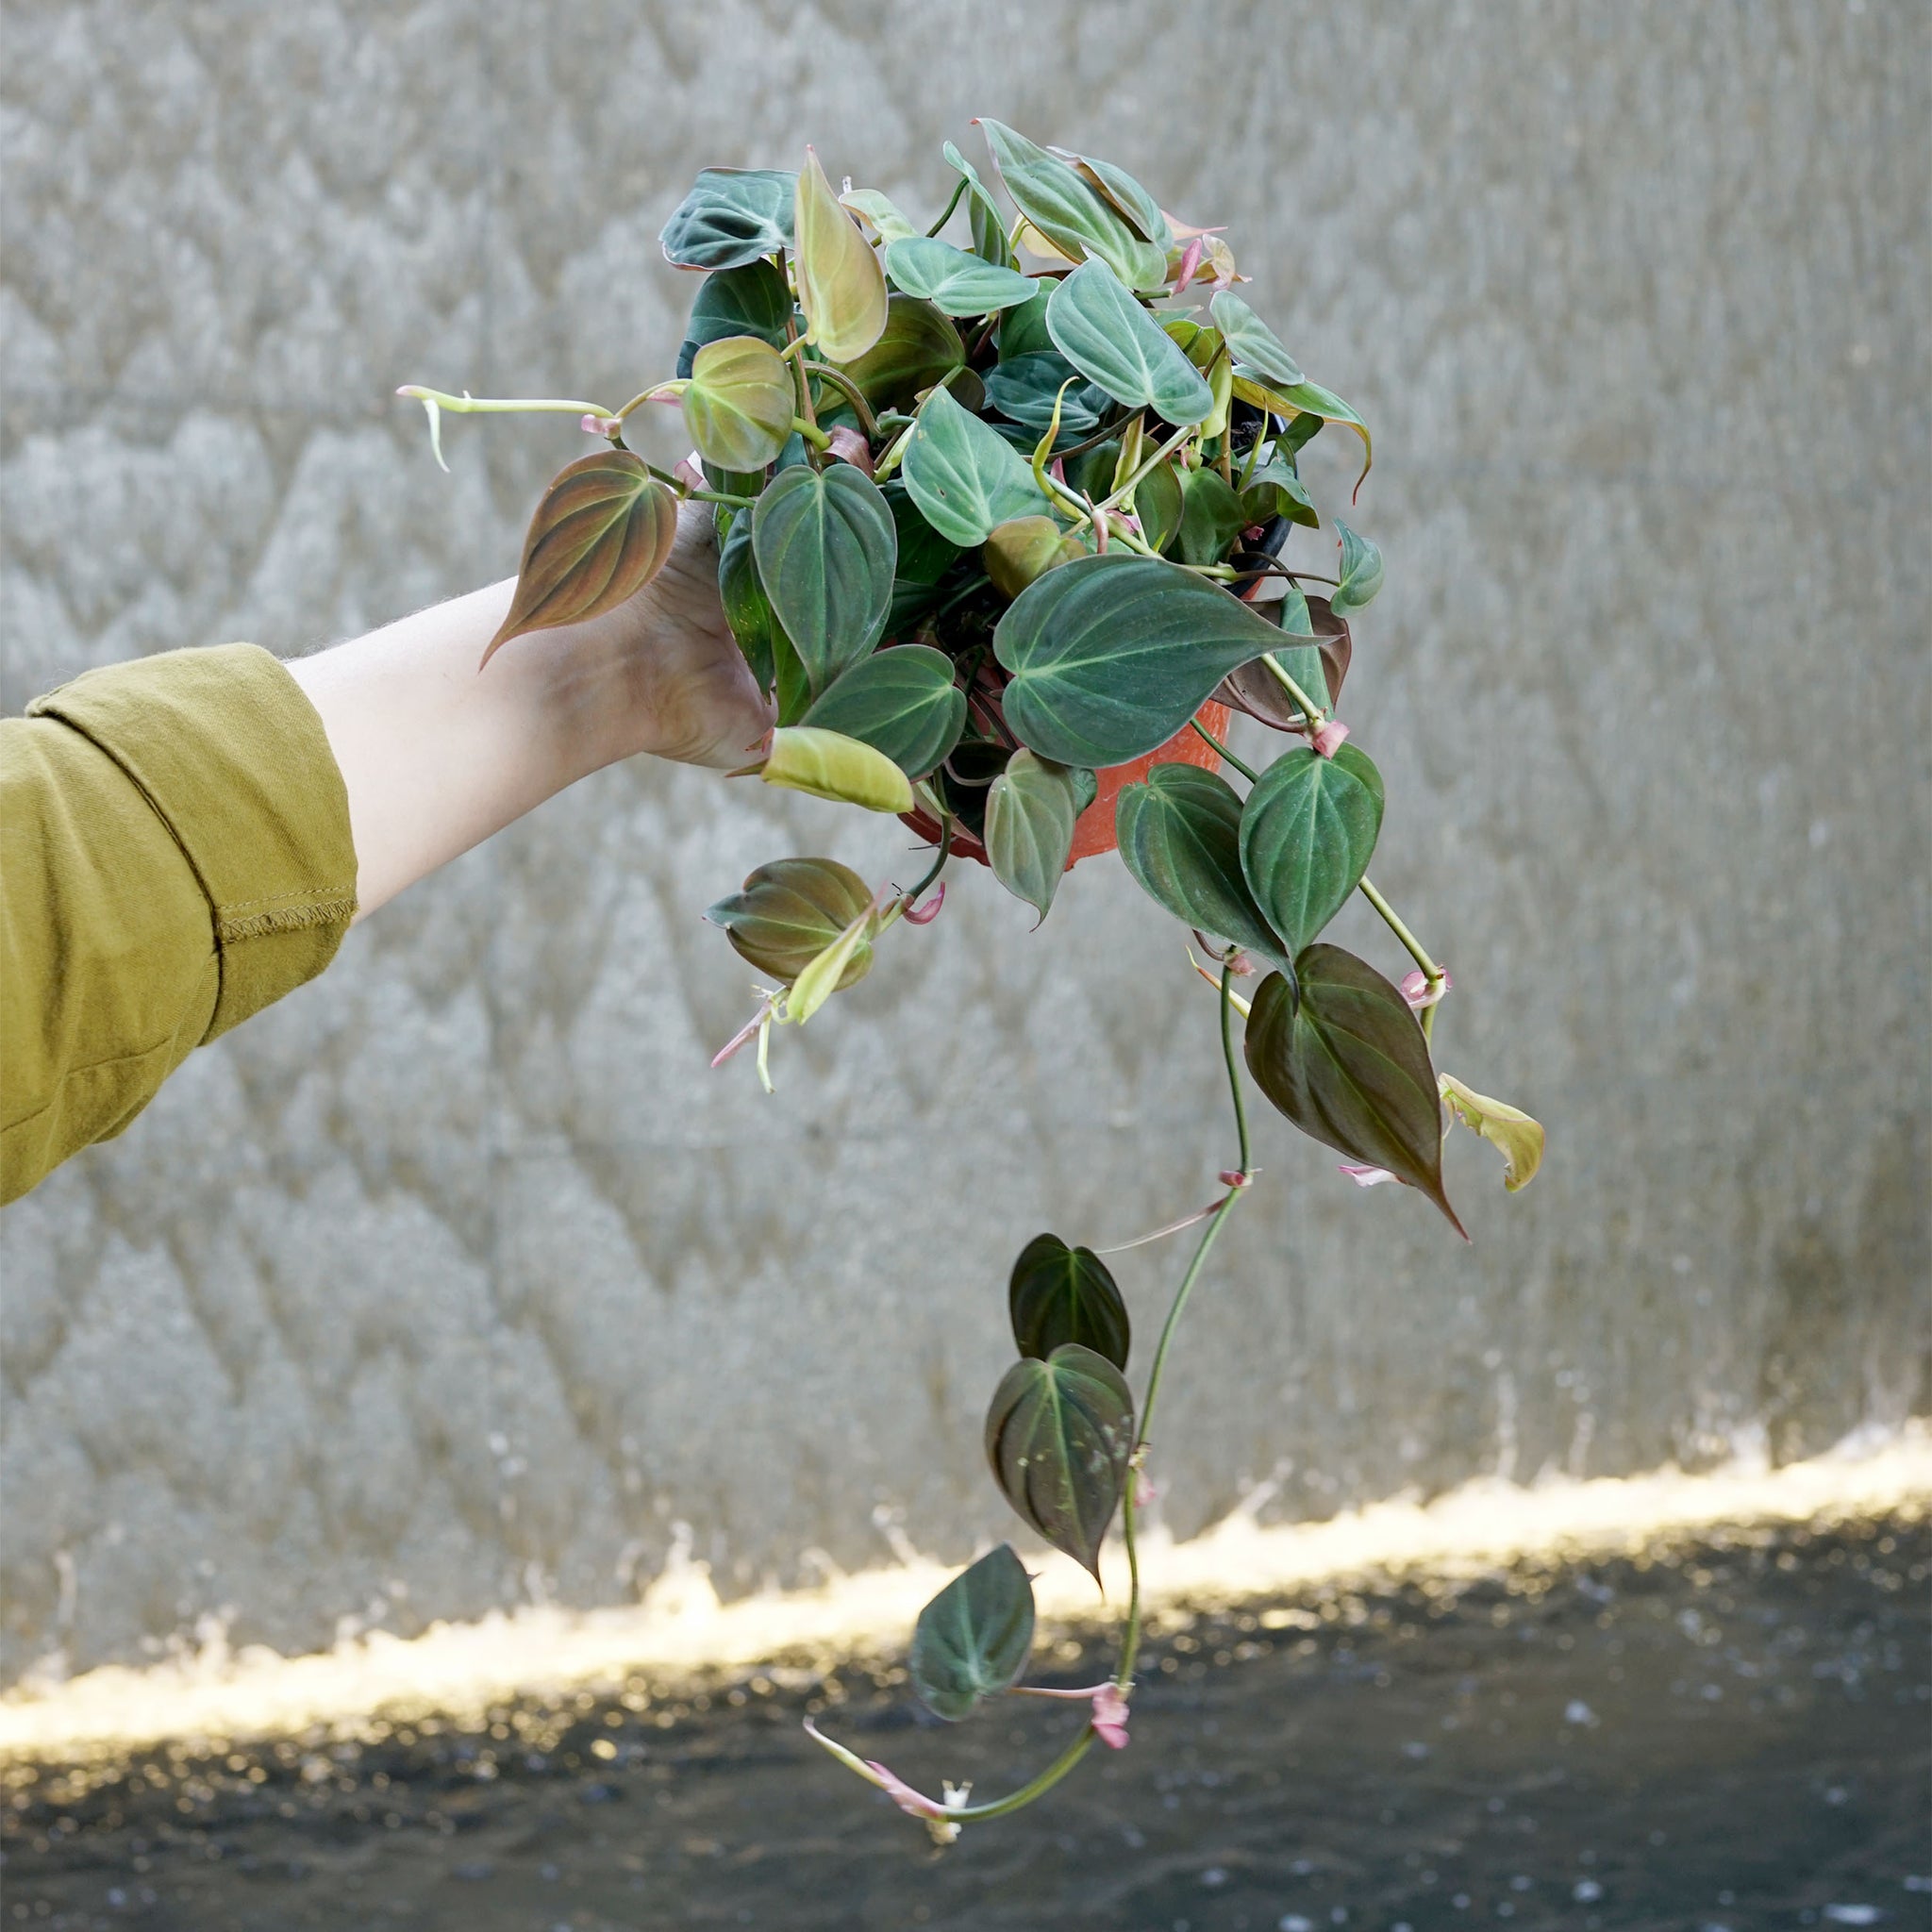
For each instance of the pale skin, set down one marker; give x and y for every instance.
(437, 755)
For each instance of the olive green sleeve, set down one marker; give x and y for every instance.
(174, 853)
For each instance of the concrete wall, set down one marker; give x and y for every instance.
(457, 1280)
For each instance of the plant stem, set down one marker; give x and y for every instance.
(500, 406)
(805, 426)
(1159, 455)
(1431, 971)
(1039, 1787)
(1130, 1642)
(850, 390)
(947, 215)
(1254, 452)
(1310, 711)
(1247, 772)
(939, 864)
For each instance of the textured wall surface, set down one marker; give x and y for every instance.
(457, 1280)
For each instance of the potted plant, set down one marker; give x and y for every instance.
(1003, 505)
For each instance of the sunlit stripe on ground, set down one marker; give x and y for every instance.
(680, 1629)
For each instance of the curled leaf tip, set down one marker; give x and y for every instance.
(1365, 1176)
(925, 915)
(1110, 1717)
(687, 473)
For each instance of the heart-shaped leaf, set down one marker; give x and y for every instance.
(601, 533)
(746, 609)
(1157, 502)
(1022, 330)
(972, 1640)
(1059, 1434)
(954, 281)
(1258, 351)
(739, 406)
(1180, 836)
(916, 349)
(1025, 548)
(1508, 1130)
(1275, 491)
(1307, 399)
(882, 211)
(748, 301)
(788, 912)
(827, 548)
(1059, 1294)
(1211, 517)
(1309, 830)
(827, 764)
(1361, 572)
(965, 477)
(1029, 827)
(842, 288)
(1125, 195)
(1110, 656)
(1349, 1066)
(902, 702)
(1068, 212)
(1026, 388)
(731, 216)
(1103, 331)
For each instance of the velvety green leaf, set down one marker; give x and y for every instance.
(1069, 214)
(1029, 827)
(1275, 491)
(965, 477)
(1309, 830)
(1105, 333)
(748, 301)
(1360, 575)
(953, 281)
(743, 598)
(1025, 548)
(1309, 399)
(788, 912)
(882, 212)
(989, 225)
(925, 555)
(1059, 1294)
(917, 348)
(1180, 836)
(1508, 1130)
(827, 547)
(1026, 388)
(1258, 351)
(973, 1639)
(1059, 1434)
(1211, 517)
(1110, 656)
(1125, 195)
(731, 216)
(1022, 330)
(601, 533)
(1349, 1066)
(842, 288)
(902, 702)
(739, 406)
(827, 764)
(1157, 502)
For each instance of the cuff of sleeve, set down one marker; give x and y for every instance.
(227, 749)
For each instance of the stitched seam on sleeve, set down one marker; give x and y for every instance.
(335, 911)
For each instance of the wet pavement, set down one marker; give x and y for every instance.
(1734, 1733)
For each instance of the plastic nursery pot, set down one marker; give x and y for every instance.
(1094, 831)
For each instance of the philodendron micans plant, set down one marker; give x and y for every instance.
(1003, 525)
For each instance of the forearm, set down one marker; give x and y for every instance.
(437, 755)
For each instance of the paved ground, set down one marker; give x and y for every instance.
(1728, 1735)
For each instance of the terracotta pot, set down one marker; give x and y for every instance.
(1095, 833)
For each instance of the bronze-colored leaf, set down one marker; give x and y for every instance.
(841, 286)
(601, 532)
